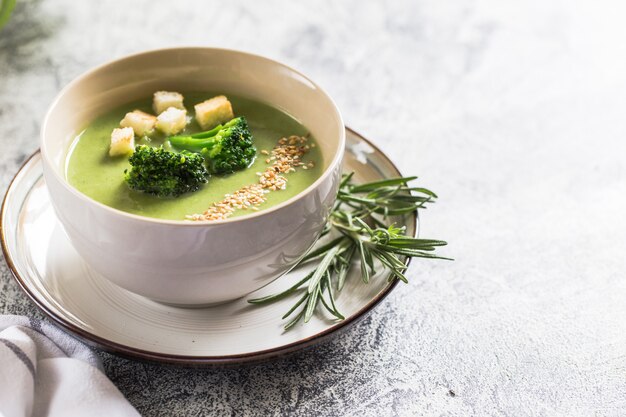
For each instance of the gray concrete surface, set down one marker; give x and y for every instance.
(514, 112)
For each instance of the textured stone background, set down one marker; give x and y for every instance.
(513, 111)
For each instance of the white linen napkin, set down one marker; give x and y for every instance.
(45, 372)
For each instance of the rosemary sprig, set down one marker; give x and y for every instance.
(6, 7)
(363, 231)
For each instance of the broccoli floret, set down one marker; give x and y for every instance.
(164, 173)
(227, 148)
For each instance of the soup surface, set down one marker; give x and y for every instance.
(91, 170)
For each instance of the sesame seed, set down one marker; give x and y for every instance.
(287, 155)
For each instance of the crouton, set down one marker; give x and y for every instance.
(171, 121)
(142, 123)
(212, 112)
(122, 141)
(163, 100)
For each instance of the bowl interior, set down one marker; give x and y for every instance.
(189, 69)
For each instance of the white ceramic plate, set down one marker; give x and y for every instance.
(79, 300)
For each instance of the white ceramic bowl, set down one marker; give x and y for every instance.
(179, 262)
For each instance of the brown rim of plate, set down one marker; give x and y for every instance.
(140, 354)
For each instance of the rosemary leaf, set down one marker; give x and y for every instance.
(302, 299)
(294, 321)
(312, 303)
(322, 268)
(321, 250)
(383, 183)
(276, 297)
(345, 267)
(329, 288)
(365, 273)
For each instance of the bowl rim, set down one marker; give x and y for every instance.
(337, 157)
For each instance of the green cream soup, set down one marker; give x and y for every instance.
(91, 170)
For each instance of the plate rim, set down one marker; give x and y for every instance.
(130, 352)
